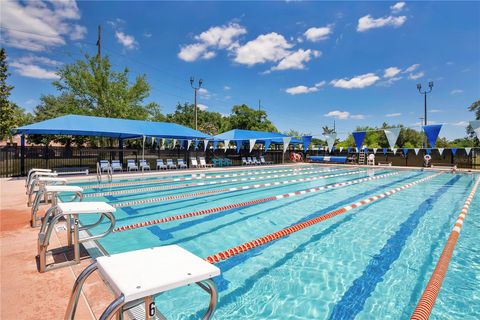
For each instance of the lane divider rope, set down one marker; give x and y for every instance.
(427, 300)
(223, 255)
(232, 189)
(180, 186)
(193, 177)
(247, 203)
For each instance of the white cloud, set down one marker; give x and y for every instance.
(31, 101)
(412, 68)
(456, 91)
(367, 22)
(202, 107)
(226, 88)
(37, 59)
(361, 81)
(434, 110)
(39, 25)
(126, 40)
(391, 72)
(265, 48)
(317, 34)
(218, 37)
(460, 123)
(204, 93)
(296, 60)
(304, 89)
(344, 115)
(398, 6)
(147, 34)
(415, 76)
(391, 115)
(33, 71)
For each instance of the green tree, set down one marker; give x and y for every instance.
(244, 117)
(208, 122)
(474, 107)
(11, 115)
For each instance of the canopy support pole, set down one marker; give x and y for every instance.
(22, 155)
(120, 146)
(143, 148)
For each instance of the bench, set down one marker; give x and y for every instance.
(388, 164)
(336, 159)
(71, 170)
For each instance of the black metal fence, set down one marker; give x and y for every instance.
(12, 163)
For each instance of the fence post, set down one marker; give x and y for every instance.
(22, 155)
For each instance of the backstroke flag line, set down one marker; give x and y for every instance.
(392, 136)
(359, 136)
(286, 141)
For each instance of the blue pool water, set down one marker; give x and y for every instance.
(372, 262)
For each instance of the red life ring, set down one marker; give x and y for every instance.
(298, 157)
(293, 156)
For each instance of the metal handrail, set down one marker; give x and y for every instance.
(99, 173)
(38, 198)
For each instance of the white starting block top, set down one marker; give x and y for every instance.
(51, 179)
(57, 188)
(84, 207)
(147, 272)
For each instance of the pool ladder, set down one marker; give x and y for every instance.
(109, 173)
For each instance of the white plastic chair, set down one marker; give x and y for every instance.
(104, 165)
(203, 163)
(371, 160)
(131, 165)
(144, 165)
(161, 165)
(170, 164)
(116, 165)
(193, 162)
(181, 164)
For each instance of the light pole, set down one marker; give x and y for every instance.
(425, 92)
(195, 89)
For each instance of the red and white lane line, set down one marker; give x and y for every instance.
(194, 176)
(232, 189)
(247, 203)
(180, 186)
(427, 300)
(223, 255)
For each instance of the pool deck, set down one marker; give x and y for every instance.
(27, 294)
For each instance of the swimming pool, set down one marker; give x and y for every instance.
(372, 261)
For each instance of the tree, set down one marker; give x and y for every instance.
(11, 115)
(474, 107)
(211, 123)
(244, 117)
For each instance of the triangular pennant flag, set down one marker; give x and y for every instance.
(286, 141)
(181, 142)
(356, 150)
(205, 145)
(330, 137)
(174, 143)
(225, 144)
(340, 149)
(405, 151)
(215, 145)
(394, 150)
(365, 150)
(467, 150)
(359, 136)
(440, 150)
(416, 151)
(267, 144)
(195, 144)
(306, 142)
(385, 150)
(375, 150)
(454, 150)
(432, 131)
(189, 142)
(333, 149)
(428, 150)
(349, 149)
(239, 145)
(392, 136)
(320, 148)
(477, 131)
(251, 143)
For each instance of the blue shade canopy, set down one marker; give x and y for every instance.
(76, 125)
(238, 134)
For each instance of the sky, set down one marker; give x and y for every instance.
(309, 63)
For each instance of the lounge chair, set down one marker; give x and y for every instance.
(203, 163)
(170, 164)
(104, 165)
(250, 161)
(144, 165)
(262, 160)
(227, 162)
(371, 160)
(245, 162)
(161, 165)
(193, 162)
(255, 161)
(181, 164)
(217, 162)
(116, 165)
(131, 165)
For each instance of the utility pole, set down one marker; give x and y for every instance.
(195, 89)
(259, 104)
(334, 129)
(99, 43)
(425, 92)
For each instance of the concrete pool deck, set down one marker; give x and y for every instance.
(27, 294)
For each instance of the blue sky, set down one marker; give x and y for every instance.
(308, 62)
